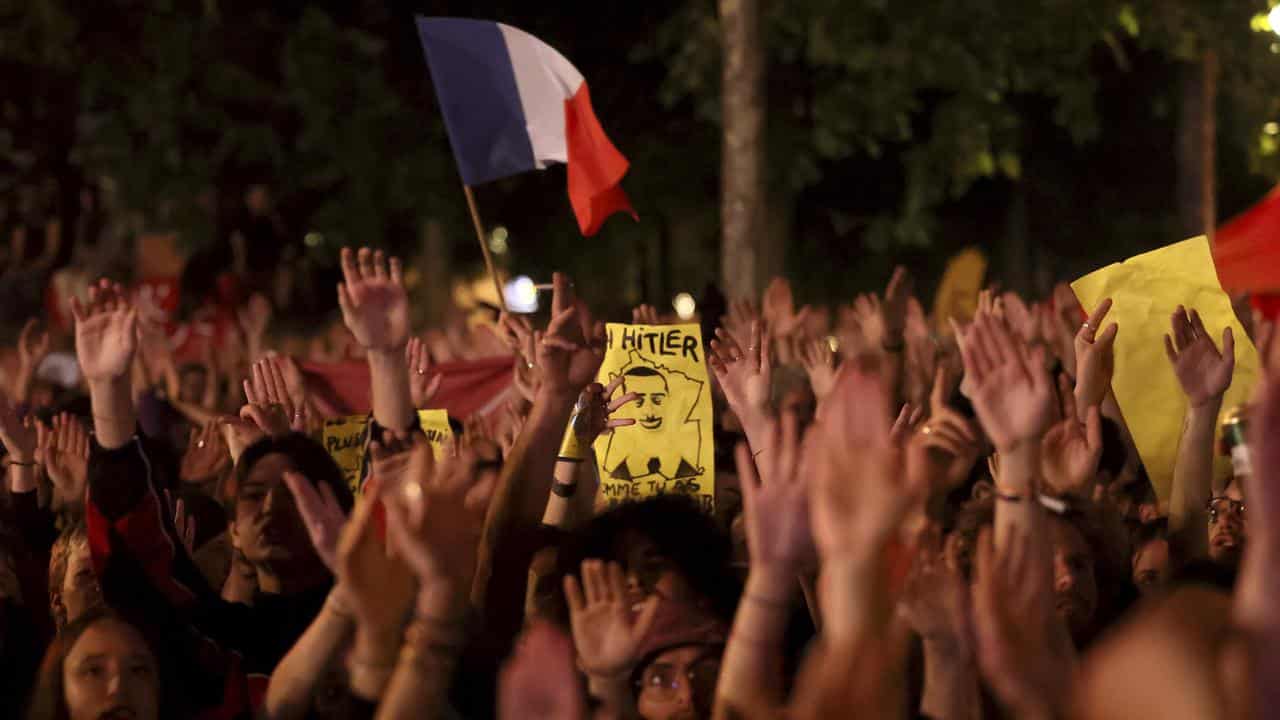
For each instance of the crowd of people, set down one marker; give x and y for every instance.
(914, 517)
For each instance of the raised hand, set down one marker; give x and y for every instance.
(423, 384)
(935, 601)
(1203, 372)
(239, 434)
(1095, 357)
(775, 501)
(893, 311)
(645, 315)
(572, 348)
(539, 679)
(207, 455)
(374, 581)
(595, 405)
(1024, 651)
(64, 451)
(745, 377)
(106, 332)
(1012, 393)
(33, 345)
(436, 511)
(606, 633)
(322, 515)
(780, 312)
(290, 388)
(374, 305)
(1070, 453)
(820, 365)
(943, 452)
(739, 318)
(20, 439)
(268, 404)
(858, 496)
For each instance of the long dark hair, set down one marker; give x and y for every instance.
(49, 697)
(307, 455)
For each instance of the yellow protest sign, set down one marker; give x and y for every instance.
(957, 295)
(435, 423)
(1146, 289)
(346, 440)
(670, 448)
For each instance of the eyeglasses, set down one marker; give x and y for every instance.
(1224, 505)
(661, 681)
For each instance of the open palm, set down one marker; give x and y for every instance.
(374, 304)
(1203, 372)
(106, 333)
(1012, 394)
(605, 632)
(746, 376)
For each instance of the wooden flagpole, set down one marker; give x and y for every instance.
(484, 246)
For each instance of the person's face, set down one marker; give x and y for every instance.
(1227, 527)
(267, 528)
(80, 590)
(649, 572)
(651, 404)
(110, 674)
(1075, 588)
(679, 684)
(1151, 566)
(191, 386)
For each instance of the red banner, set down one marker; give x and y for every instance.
(476, 386)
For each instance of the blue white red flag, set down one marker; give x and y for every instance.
(513, 104)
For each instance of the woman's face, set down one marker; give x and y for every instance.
(110, 674)
(651, 573)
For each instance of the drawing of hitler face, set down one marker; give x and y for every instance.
(651, 405)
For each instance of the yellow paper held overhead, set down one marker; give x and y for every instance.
(1145, 290)
(346, 439)
(670, 448)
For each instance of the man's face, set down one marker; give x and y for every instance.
(679, 684)
(1151, 566)
(267, 527)
(1074, 586)
(1227, 527)
(651, 405)
(80, 590)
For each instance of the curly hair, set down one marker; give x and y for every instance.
(71, 538)
(695, 545)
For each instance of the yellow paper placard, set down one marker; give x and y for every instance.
(957, 295)
(670, 448)
(346, 440)
(435, 423)
(1145, 290)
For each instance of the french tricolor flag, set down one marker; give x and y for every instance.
(513, 104)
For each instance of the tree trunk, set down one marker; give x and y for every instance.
(742, 189)
(1197, 128)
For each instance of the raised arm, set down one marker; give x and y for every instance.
(776, 514)
(569, 355)
(375, 309)
(1204, 374)
(106, 339)
(1014, 399)
(434, 521)
(573, 493)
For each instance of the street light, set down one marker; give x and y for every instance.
(1273, 19)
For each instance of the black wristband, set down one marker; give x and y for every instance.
(564, 490)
